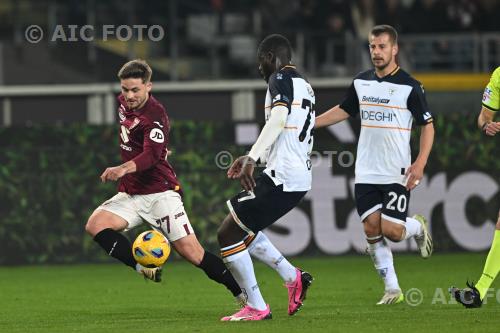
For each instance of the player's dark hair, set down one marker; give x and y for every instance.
(385, 29)
(278, 45)
(136, 69)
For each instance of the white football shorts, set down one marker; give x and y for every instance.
(164, 211)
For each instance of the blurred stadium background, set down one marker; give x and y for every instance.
(58, 113)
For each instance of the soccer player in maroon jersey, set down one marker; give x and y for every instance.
(148, 189)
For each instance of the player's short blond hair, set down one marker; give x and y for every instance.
(136, 69)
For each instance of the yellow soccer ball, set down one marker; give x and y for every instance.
(151, 249)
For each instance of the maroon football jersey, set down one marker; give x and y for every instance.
(144, 139)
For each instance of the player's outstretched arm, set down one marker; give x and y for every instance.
(416, 171)
(330, 117)
(485, 122)
(242, 168)
(115, 173)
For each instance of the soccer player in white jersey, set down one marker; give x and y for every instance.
(285, 143)
(388, 100)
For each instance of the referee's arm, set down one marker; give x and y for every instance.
(485, 122)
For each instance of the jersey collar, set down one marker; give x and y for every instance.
(394, 72)
(121, 100)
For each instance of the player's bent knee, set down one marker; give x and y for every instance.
(372, 225)
(89, 229)
(92, 226)
(372, 230)
(101, 220)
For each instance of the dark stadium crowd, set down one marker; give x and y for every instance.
(333, 16)
(407, 16)
(212, 38)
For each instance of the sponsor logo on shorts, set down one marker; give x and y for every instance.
(179, 215)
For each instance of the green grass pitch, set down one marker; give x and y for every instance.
(112, 298)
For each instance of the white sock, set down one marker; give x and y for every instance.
(262, 249)
(382, 259)
(413, 228)
(241, 266)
